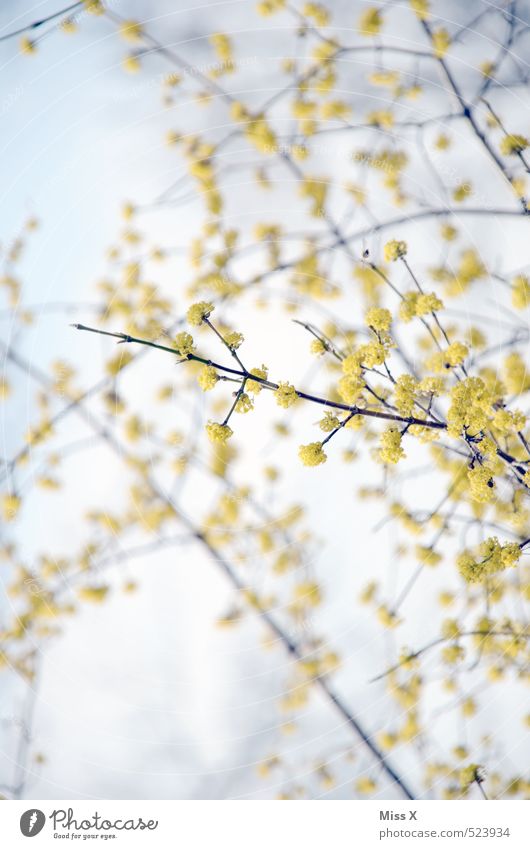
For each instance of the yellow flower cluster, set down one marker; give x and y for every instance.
(380, 118)
(492, 557)
(350, 388)
(244, 403)
(395, 250)
(258, 132)
(218, 432)
(468, 775)
(94, 7)
(316, 190)
(387, 617)
(521, 292)
(421, 8)
(441, 41)
(516, 375)
(95, 595)
(370, 22)
(391, 450)
(10, 506)
(369, 355)
(5, 389)
(184, 344)
(308, 593)
(405, 389)
(469, 269)
(27, 46)
(318, 13)
(378, 318)
(253, 385)
(131, 64)
(418, 304)
(198, 312)
(233, 339)
(118, 362)
(470, 407)
(481, 484)
(513, 144)
(318, 347)
(329, 422)
(454, 355)
(269, 7)
(286, 395)
(208, 378)
(312, 454)
(505, 421)
(131, 31)
(427, 556)
(222, 45)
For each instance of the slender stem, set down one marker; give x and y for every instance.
(36, 24)
(321, 683)
(438, 641)
(469, 116)
(268, 384)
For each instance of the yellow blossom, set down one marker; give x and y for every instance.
(198, 312)
(233, 339)
(350, 388)
(441, 41)
(469, 774)
(131, 63)
(521, 292)
(442, 142)
(395, 250)
(370, 22)
(378, 318)
(27, 46)
(387, 617)
(10, 506)
(131, 31)
(316, 190)
(270, 7)
(308, 593)
(421, 8)
(318, 13)
(244, 403)
(318, 347)
(207, 378)
(312, 454)
(329, 423)
(96, 595)
(94, 7)
(184, 344)
(391, 450)
(427, 556)
(427, 303)
(456, 353)
(481, 484)
(513, 144)
(255, 386)
(118, 362)
(404, 392)
(218, 432)
(286, 395)
(5, 389)
(372, 354)
(222, 46)
(365, 785)
(462, 191)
